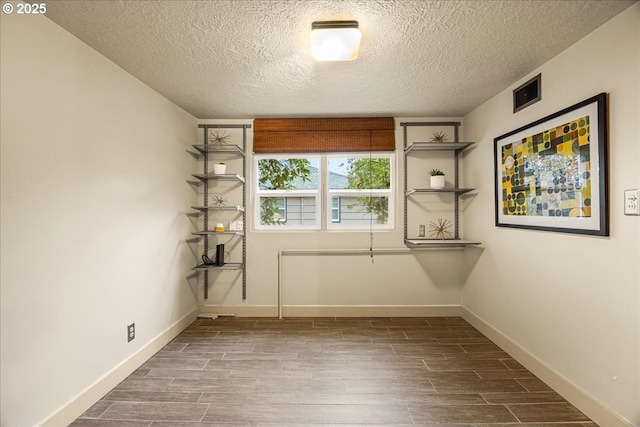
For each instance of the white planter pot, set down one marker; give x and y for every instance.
(437, 181)
(219, 169)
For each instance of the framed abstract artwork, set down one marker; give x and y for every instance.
(551, 174)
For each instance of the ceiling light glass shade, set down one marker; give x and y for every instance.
(335, 40)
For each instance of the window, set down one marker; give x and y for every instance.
(356, 192)
(335, 209)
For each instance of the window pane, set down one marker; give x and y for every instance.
(288, 174)
(362, 183)
(272, 211)
(288, 211)
(364, 210)
(361, 173)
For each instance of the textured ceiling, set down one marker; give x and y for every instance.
(246, 59)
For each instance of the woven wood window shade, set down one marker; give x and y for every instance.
(323, 135)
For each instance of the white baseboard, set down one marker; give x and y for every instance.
(78, 405)
(370, 310)
(579, 398)
(238, 310)
(331, 310)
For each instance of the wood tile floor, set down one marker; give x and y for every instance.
(328, 371)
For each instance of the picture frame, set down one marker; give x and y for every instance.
(552, 174)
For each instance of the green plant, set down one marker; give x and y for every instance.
(436, 172)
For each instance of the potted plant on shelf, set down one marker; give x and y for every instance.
(437, 178)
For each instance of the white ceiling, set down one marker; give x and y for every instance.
(247, 59)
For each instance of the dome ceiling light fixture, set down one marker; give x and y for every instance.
(335, 40)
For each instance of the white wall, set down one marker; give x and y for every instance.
(93, 217)
(428, 279)
(572, 301)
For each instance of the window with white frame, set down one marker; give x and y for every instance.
(357, 191)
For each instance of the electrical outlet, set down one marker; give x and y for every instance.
(131, 332)
(632, 202)
(421, 230)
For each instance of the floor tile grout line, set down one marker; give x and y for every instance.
(105, 409)
(413, 420)
(510, 411)
(204, 414)
(505, 365)
(433, 386)
(522, 385)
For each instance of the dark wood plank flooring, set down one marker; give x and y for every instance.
(332, 371)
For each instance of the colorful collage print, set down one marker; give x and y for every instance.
(548, 174)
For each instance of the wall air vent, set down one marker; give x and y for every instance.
(527, 94)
